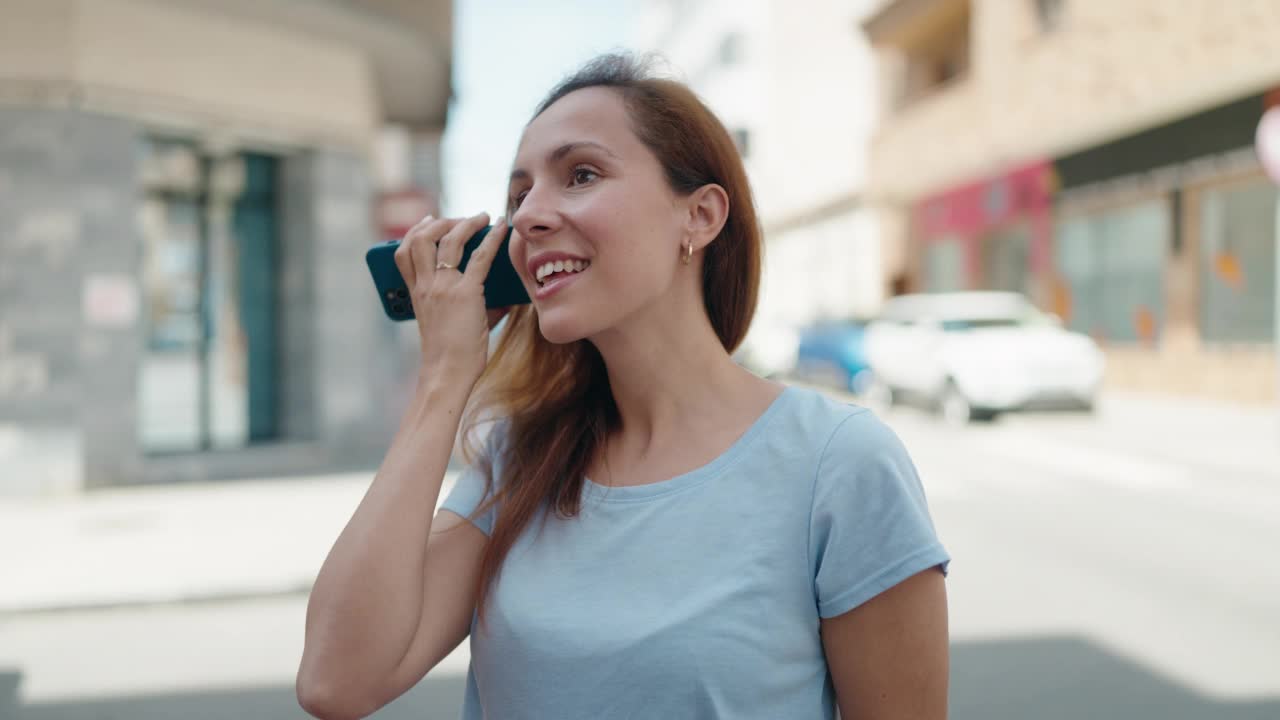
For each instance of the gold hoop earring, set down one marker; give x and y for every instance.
(687, 257)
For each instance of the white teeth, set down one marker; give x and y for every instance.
(560, 266)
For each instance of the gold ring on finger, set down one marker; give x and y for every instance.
(445, 266)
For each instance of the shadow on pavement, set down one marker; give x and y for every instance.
(432, 698)
(1050, 678)
(9, 680)
(1068, 678)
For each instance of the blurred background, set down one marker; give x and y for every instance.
(1038, 236)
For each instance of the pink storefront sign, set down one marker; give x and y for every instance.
(973, 210)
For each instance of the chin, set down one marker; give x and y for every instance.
(560, 330)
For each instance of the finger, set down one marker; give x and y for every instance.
(404, 254)
(482, 257)
(424, 248)
(452, 243)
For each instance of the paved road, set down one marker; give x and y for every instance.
(1102, 575)
(1100, 571)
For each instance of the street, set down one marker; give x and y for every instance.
(1104, 567)
(1089, 581)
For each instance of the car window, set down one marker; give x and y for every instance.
(960, 325)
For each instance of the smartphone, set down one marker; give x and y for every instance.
(502, 286)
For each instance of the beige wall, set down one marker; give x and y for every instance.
(1112, 67)
(183, 65)
(35, 39)
(224, 67)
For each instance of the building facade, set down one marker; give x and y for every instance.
(795, 86)
(187, 189)
(1099, 156)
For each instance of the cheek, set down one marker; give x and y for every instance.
(633, 269)
(516, 251)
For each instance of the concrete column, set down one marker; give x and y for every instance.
(68, 205)
(359, 367)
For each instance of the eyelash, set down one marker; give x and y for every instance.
(573, 175)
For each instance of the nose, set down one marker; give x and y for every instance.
(537, 215)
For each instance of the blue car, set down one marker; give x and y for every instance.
(832, 353)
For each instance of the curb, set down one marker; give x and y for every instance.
(206, 598)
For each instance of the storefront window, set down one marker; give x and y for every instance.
(1005, 259)
(1113, 264)
(1237, 263)
(207, 378)
(944, 265)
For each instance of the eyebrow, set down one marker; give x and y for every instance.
(559, 153)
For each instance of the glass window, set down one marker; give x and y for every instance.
(1049, 13)
(208, 373)
(1237, 263)
(944, 265)
(169, 383)
(1005, 258)
(1113, 266)
(731, 49)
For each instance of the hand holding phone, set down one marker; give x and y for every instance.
(442, 274)
(502, 286)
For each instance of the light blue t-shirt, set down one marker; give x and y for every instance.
(700, 596)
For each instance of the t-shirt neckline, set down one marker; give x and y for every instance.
(647, 491)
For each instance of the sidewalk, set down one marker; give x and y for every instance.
(186, 543)
(181, 543)
(1229, 439)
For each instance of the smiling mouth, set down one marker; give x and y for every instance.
(560, 269)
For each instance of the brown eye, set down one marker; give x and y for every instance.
(582, 176)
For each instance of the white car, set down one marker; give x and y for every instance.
(973, 355)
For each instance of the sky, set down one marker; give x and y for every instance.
(507, 55)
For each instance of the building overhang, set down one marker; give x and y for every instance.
(408, 42)
(911, 23)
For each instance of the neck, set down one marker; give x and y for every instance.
(668, 372)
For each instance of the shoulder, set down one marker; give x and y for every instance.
(861, 437)
(848, 443)
(487, 441)
(837, 429)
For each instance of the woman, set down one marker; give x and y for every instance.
(649, 531)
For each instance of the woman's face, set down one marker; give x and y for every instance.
(597, 227)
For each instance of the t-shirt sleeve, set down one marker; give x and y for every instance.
(471, 488)
(870, 527)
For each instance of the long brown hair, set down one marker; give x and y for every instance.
(554, 400)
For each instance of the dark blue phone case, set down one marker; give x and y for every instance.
(502, 287)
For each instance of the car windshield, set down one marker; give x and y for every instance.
(962, 324)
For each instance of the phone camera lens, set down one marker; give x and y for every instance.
(402, 294)
(397, 308)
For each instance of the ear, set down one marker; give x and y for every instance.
(708, 210)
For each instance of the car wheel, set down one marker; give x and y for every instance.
(953, 406)
(877, 395)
